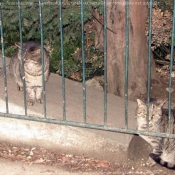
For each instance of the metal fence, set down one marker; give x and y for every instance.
(85, 124)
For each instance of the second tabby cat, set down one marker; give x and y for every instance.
(33, 69)
(163, 148)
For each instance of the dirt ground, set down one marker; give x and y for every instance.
(137, 157)
(160, 90)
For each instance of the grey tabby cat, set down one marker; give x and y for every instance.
(33, 70)
(163, 148)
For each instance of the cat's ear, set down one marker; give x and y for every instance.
(140, 102)
(161, 103)
(18, 45)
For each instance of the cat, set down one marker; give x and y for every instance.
(163, 148)
(33, 70)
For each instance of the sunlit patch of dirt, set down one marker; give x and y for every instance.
(74, 163)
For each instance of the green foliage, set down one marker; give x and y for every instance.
(50, 15)
(73, 60)
(71, 20)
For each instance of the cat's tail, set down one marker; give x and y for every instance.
(159, 160)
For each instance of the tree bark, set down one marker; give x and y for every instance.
(138, 48)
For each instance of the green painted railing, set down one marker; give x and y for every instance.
(22, 60)
(171, 69)
(62, 61)
(85, 124)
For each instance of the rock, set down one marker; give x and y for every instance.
(94, 83)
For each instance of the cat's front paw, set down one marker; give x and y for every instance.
(30, 102)
(20, 88)
(150, 162)
(39, 101)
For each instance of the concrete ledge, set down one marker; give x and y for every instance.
(65, 139)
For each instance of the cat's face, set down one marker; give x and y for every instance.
(31, 52)
(155, 113)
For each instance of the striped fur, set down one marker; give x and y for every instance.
(33, 70)
(163, 148)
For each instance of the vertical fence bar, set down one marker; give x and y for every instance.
(42, 57)
(62, 60)
(105, 63)
(3, 61)
(83, 60)
(171, 69)
(22, 59)
(126, 63)
(149, 61)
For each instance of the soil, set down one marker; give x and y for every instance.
(136, 163)
(160, 89)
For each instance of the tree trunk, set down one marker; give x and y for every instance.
(138, 48)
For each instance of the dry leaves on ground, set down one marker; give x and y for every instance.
(73, 163)
(42, 156)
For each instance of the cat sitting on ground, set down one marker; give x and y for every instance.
(33, 69)
(163, 148)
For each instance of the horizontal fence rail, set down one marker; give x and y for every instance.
(84, 123)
